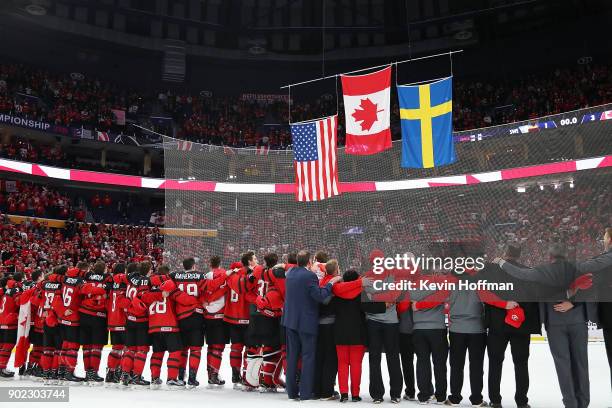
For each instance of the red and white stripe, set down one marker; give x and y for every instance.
(185, 145)
(93, 177)
(318, 179)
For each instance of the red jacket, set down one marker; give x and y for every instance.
(93, 303)
(162, 310)
(117, 304)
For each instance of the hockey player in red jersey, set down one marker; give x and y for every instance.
(190, 318)
(137, 328)
(94, 333)
(269, 303)
(162, 302)
(237, 315)
(216, 330)
(116, 306)
(52, 342)
(31, 289)
(10, 290)
(66, 307)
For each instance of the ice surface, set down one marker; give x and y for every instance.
(543, 393)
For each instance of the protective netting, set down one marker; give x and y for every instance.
(572, 207)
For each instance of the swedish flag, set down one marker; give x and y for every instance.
(427, 123)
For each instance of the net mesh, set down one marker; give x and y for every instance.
(569, 207)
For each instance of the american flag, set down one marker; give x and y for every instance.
(314, 152)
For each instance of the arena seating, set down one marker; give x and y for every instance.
(61, 99)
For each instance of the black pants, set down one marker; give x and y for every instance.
(384, 335)
(496, 349)
(460, 345)
(608, 340)
(407, 355)
(431, 345)
(326, 366)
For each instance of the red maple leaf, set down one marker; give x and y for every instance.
(367, 115)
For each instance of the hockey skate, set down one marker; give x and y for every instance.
(71, 379)
(125, 381)
(267, 388)
(139, 382)
(51, 377)
(37, 373)
(246, 387)
(61, 372)
(175, 385)
(6, 374)
(156, 383)
(93, 379)
(214, 381)
(111, 379)
(236, 378)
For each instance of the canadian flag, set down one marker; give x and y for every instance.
(367, 111)
(23, 334)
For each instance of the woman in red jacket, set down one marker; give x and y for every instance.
(350, 332)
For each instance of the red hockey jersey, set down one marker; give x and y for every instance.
(240, 296)
(271, 292)
(162, 310)
(93, 303)
(215, 294)
(193, 284)
(137, 285)
(51, 288)
(117, 303)
(67, 305)
(9, 305)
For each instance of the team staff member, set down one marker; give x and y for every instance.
(300, 318)
(501, 334)
(326, 366)
(603, 284)
(566, 324)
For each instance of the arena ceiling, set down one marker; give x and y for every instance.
(285, 28)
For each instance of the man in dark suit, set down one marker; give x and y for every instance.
(301, 321)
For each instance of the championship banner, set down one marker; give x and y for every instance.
(367, 112)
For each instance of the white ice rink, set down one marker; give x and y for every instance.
(543, 393)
